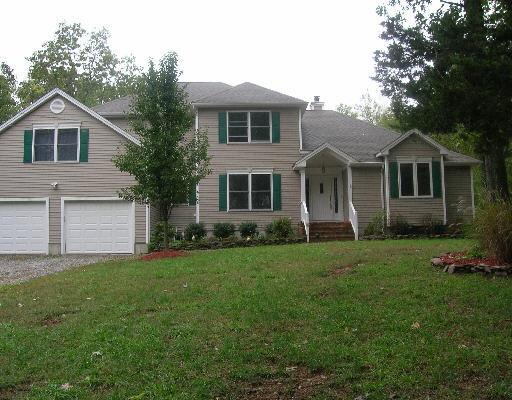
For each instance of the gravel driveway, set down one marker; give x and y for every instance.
(21, 268)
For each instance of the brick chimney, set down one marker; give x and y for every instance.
(316, 104)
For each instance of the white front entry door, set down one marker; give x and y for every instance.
(325, 201)
(23, 227)
(98, 226)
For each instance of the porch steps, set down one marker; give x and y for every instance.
(329, 231)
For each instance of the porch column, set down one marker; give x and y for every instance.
(303, 185)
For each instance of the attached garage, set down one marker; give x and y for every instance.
(24, 226)
(97, 226)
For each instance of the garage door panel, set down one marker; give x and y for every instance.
(93, 226)
(23, 227)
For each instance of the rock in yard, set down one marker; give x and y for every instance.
(437, 262)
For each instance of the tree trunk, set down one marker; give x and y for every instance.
(164, 217)
(495, 166)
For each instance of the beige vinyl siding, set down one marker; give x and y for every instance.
(459, 205)
(366, 194)
(181, 216)
(228, 157)
(96, 178)
(414, 210)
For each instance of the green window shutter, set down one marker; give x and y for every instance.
(223, 127)
(27, 146)
(276, 127)
(393, 178)
(192, 197)
(436, 179)
(223, 192)
(276, 186)
(84, 145)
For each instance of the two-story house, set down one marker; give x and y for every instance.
(271, 157)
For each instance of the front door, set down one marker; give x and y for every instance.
(325, 198)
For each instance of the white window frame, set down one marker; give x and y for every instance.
(56, 128)
(249, 174)
(415, 162)
(249, 133)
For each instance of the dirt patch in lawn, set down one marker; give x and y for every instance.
(337, 271)
(12, 391)
(51, 321)
(156, 255)
(300, 383)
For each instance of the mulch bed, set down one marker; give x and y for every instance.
(459, 262)
(156, 255)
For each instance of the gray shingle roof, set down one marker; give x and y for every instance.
(195, 90)
(359, 139)
(249, 94)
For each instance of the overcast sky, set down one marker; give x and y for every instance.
(301, 48)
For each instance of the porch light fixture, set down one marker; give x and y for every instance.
(323, 169)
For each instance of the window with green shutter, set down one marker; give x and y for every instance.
(276, 127)
(276, 186)
(437, 179)
(223, 127)
(27, 146)
(223, 192)
(84, 145)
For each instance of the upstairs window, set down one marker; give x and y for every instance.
(67, 144)
(248, 126)
(44, 144)
(415, 178)
(56, 144)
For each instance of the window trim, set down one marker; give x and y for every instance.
(249, 173)
(56, 128)
(249, 133)
(415, 162)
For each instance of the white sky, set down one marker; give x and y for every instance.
(300, 48)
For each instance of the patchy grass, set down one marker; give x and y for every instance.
(329, 320)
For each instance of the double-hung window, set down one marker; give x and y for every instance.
(60, 143)
(415, 178)
(249, 126)
(250, 191)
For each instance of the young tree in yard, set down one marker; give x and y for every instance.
(168, 164)
(8, 104)
(448, 65)
(82, 64)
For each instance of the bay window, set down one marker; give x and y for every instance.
(415, 178)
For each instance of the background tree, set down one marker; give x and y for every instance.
(167, 165)
(370, 110)
(450, 66)
(8, 103)
(82, 64)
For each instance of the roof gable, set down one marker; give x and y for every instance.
(385, 151)
(249, 94)
(58, 92)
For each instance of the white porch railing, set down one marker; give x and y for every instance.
(352, 216)
(304, 217)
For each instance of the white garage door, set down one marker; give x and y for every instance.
(94, 226)
(23, 227)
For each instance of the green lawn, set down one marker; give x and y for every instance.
(261, 323)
